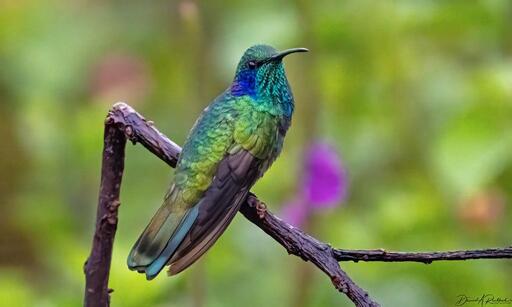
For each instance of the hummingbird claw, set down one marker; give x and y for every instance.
(261, 209)
(260, 206)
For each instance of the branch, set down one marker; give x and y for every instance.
(424, 257)
(97, 266)
(300, 244)
(124, 122)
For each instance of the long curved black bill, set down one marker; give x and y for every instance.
(286, 52)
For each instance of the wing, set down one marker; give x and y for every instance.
(234, 177)
(179, 236)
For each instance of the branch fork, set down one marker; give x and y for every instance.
(124, 123)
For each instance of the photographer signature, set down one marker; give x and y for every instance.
(482, 300)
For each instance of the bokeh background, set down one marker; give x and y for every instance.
(404, 106)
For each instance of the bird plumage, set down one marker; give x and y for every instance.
(231, 145)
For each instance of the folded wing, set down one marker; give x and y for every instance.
(179, 233)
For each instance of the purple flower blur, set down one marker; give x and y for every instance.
(324, 184)
(325, 181)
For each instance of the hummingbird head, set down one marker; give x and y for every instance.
(260, 74)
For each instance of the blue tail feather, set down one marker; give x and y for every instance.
(158, 264)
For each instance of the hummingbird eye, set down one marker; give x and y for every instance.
(252, 64)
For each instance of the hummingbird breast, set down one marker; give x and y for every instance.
(260, 128)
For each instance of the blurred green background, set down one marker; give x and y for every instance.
(416, 96)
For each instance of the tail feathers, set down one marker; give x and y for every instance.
(161, 238)
(158, 264)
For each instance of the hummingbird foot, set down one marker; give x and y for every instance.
(261, 209)
(260, 206)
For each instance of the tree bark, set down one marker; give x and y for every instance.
(97, 266)
(424, 257)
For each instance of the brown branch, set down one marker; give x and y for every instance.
(424, 257)
(97, 266)
(124, 122)
(300, 244)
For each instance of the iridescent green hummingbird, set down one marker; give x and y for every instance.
(234, 141)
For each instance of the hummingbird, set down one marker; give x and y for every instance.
(231, 145)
